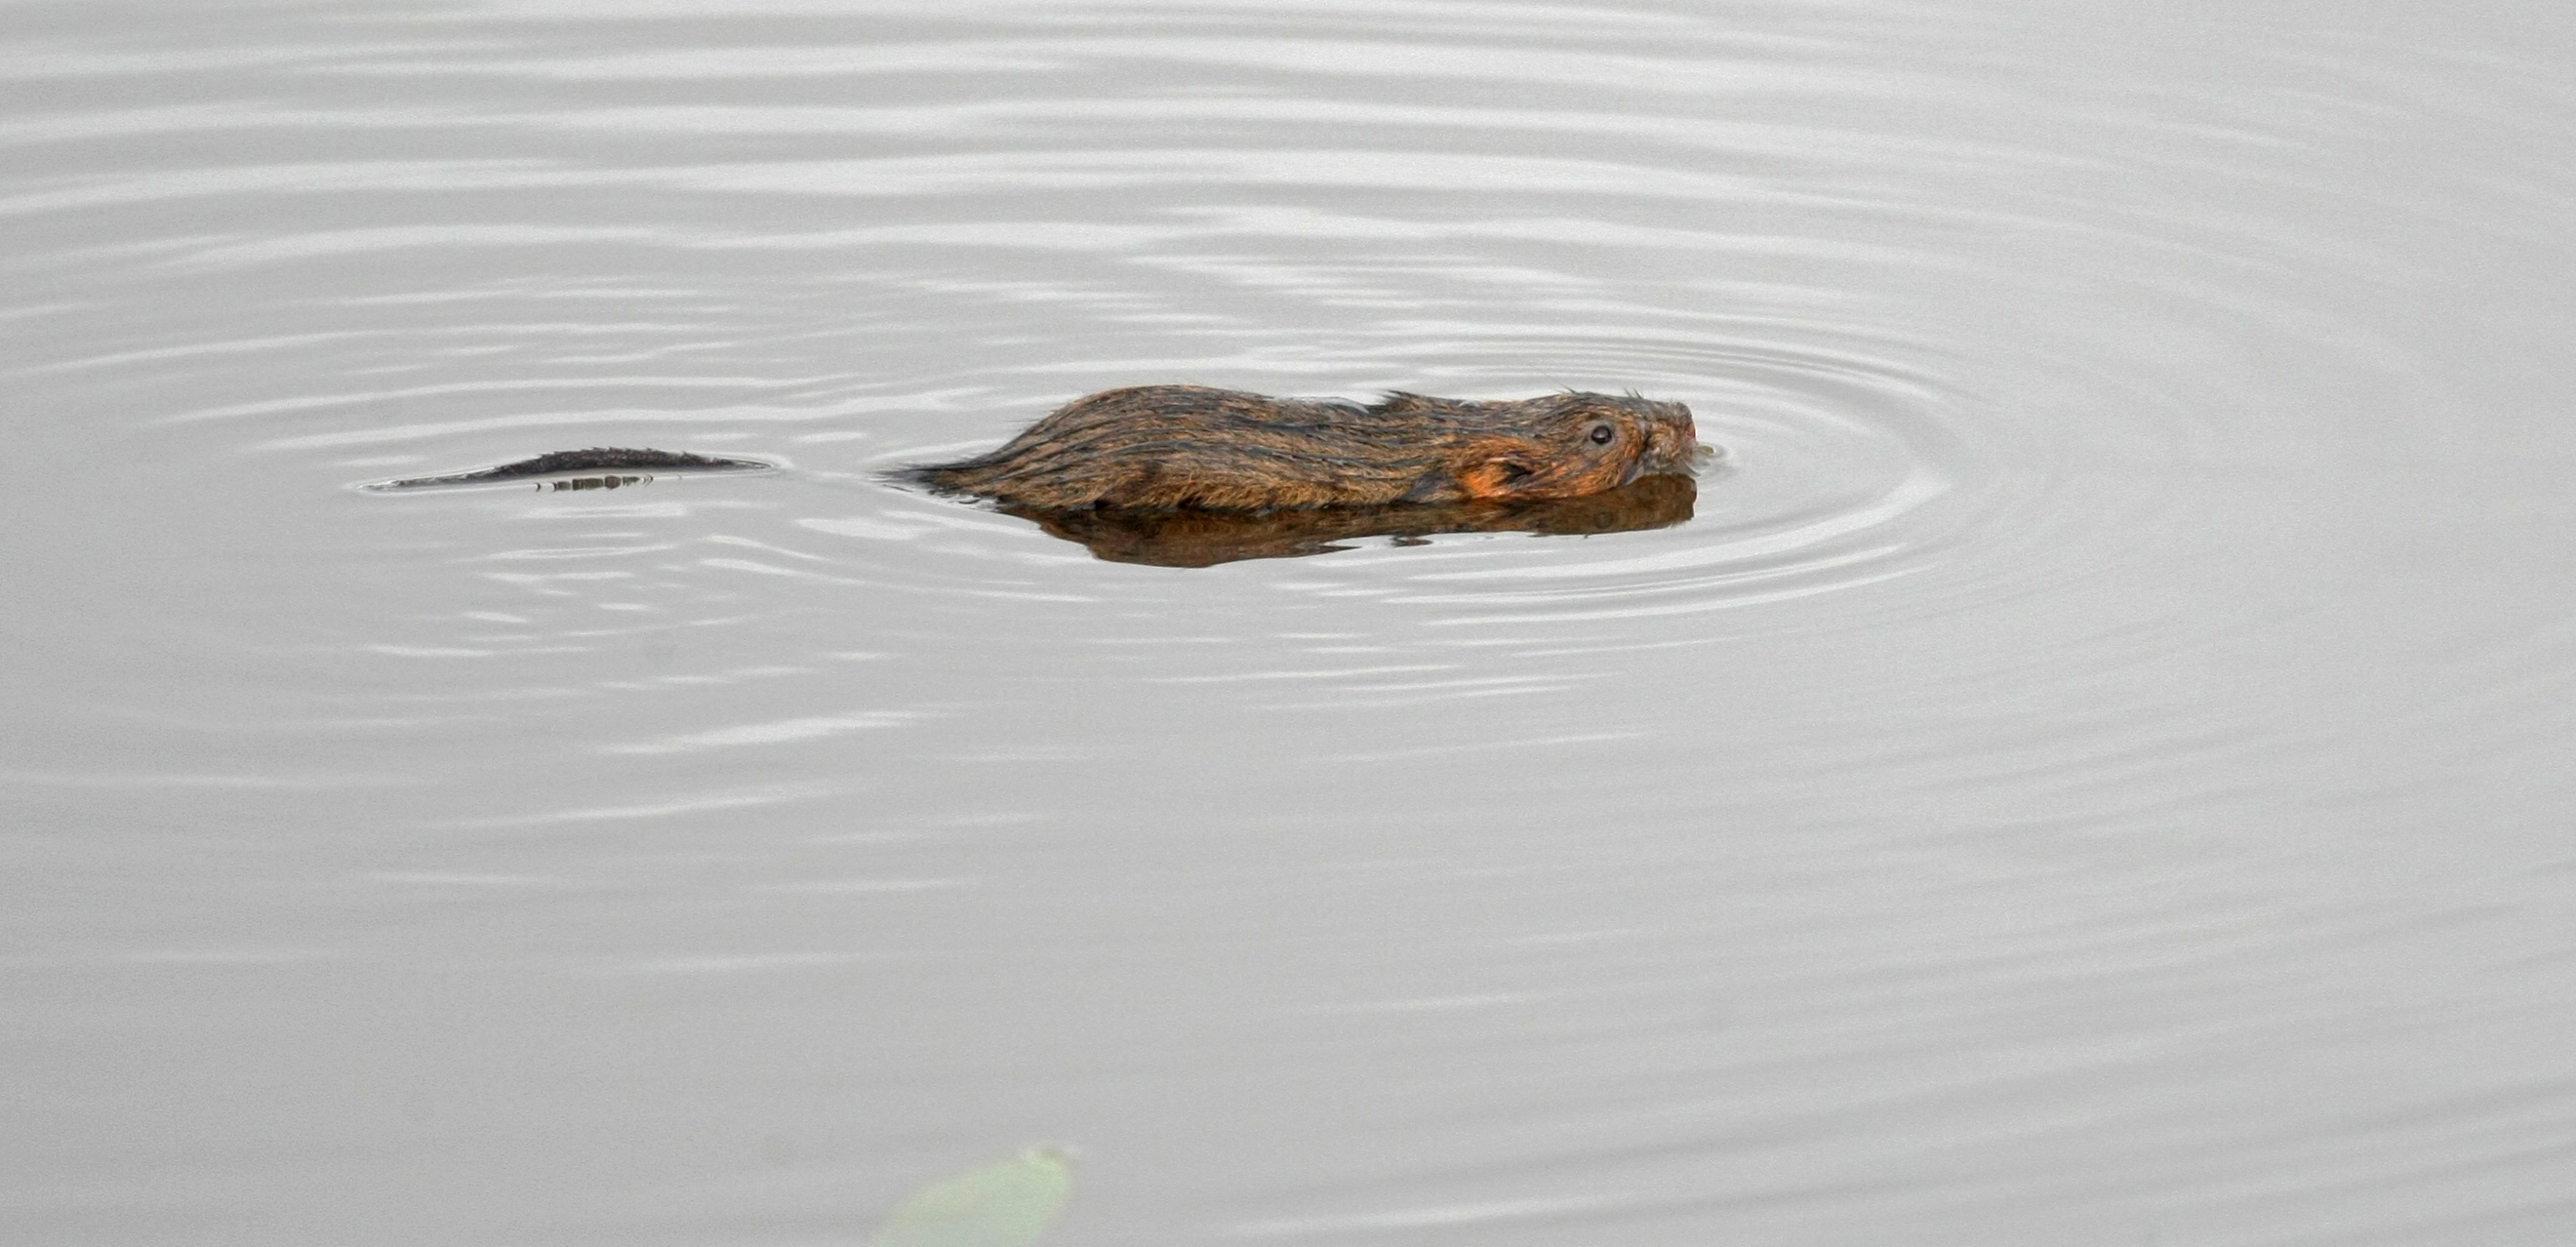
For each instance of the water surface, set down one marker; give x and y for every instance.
(2095, 768)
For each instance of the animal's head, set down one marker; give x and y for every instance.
(1567, 445)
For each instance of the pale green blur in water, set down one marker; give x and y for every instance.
(1008, 1203)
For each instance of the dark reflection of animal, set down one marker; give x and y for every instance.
(1199, 538)
(1195, 448)
(600, 467)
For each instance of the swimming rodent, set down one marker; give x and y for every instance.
(1161, 447)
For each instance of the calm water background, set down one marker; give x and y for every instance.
(2097, 770)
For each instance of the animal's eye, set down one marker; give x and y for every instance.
(1601, 435)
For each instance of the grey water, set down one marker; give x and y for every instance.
(2098, 767)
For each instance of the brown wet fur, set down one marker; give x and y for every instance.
(1164, 447)
(1199, 538)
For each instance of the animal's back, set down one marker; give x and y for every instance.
(1196, 446)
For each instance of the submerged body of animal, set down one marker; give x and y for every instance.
(1181, 537)
(1194, 447)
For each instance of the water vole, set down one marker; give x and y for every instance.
(1189, 446)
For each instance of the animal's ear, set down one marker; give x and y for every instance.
(1436, 485)
(1493, 478)
(1401, 401)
